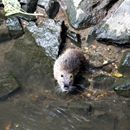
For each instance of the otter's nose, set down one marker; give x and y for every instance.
(66, 87)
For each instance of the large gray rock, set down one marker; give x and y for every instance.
(47, 36)
(83, 13)
(117, 28)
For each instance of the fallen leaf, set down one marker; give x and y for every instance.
(12, 7)
(117, 75)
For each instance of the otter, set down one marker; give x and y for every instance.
(66, 68)
(68, 65)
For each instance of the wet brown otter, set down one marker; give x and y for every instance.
(67, 66)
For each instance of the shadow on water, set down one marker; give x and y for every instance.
(39, 107)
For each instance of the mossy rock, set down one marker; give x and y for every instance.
(28, 62)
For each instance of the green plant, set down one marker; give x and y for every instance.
(12, 7)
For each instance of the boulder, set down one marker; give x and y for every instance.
(48, 35)
(83, 13)
(116, 29)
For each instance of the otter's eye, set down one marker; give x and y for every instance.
(71, 76)
(61, 75)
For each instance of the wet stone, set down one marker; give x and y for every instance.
(74, 37)
(29, 5)
(91, 36)
(83, 13)
(4, 34)
(116, 29)
(14, 26)
(8, 85)
(123, 89)
(103, 82)
(47, 36)
(51, 7)
(125, 64)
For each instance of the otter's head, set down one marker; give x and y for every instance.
(65, 81)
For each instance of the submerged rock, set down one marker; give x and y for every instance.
(83, 13)
(116, 29)
(123, 90)
(51, 7)
(8, 85)
(4, 33)
(125, 64)
(14, 26)
(103, 82)
(48, 36)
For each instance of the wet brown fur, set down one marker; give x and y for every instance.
(71, 61)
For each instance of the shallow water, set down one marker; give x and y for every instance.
(44, 110)
(37, 106)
